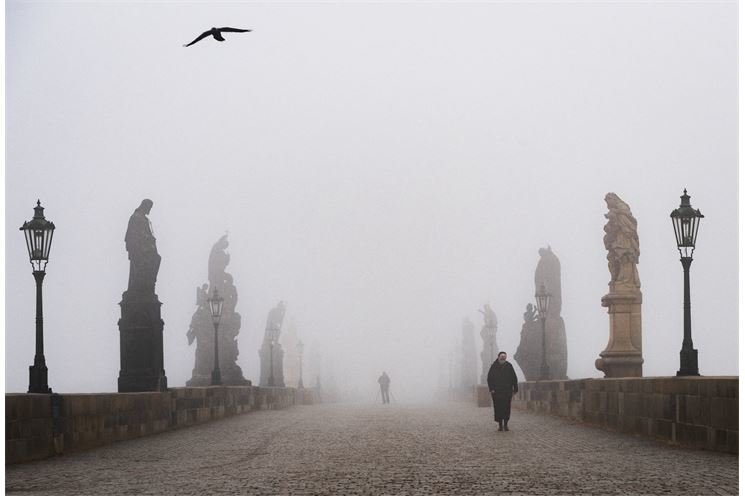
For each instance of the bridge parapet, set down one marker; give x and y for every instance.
(40, 425)
(697, 412)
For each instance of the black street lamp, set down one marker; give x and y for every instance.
(543, 299)
(685, 223)
(38, 232)
(300, 347)
(216, 311)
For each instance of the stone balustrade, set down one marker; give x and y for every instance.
(40, 425)
(698, 412)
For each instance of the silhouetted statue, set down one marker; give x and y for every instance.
(275, 317)
(201, 316)
(216, 34)
(530, 314)
(144, 260)
(490, 318)
(529, 354)
(202, 327)
(489, 341)
(272, 348)
(140, 326)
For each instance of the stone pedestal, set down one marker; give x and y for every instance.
(623, 355)
(141, 344)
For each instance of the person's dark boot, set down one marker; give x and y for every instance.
(505, 425)
(500, 426)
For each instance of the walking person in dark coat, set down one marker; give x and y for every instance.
(502, 382)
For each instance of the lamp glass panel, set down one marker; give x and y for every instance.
(38, 245)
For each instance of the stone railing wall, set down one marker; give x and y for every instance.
(41, 425)
(698, 412)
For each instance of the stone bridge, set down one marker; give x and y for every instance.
(444, 448)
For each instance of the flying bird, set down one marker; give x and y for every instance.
(215, 32)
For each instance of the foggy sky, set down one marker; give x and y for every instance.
(384, 168)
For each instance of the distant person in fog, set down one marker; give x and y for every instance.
(502, 382)
(384, 382)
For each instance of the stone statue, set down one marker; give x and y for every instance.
(623, 355)
(202, 328)
(529, 354)
(622, 243)
(140, 326)
(490, 318)
(489, 341)
(201, 314)
(139, 240)
(530, 314)
(469, 370)
(274, 319)
(271, 352)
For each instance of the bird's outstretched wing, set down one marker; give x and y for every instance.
(233, 30)
(201, 36)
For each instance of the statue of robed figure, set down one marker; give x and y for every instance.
(140, 326)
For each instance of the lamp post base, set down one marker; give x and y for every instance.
(37, 382)
(688, 362)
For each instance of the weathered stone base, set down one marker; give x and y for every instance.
(141, 344)
(623, 355)
(698, 412)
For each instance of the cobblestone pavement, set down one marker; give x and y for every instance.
(374, 449)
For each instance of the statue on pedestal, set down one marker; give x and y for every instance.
(623, 355)
(529, 354)
(271, 353)
(144, 260)
(489, 341)
(202, 328)
(140, 325)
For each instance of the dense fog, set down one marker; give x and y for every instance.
(386, 169)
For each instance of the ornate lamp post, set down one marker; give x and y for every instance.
(685, 223)
(216, 310)
(300, 347)
(543, 298)
(38, 232)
